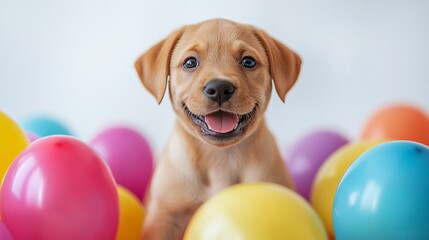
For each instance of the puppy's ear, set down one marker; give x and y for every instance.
(153, 66)
(284, 63)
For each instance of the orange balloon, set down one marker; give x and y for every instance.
(398, 122)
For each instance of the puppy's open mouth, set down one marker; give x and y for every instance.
(221, 124)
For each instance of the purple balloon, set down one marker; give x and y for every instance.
(128, 155)
(31, 136)
(308, 154)
(4, 232)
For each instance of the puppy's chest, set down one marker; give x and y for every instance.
(220, 170)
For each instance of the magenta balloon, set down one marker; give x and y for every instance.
(307, 155)
(4, 232)
(129, 156)
(59, 188)
(31, 136)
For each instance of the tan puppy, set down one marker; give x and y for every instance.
(220, 75)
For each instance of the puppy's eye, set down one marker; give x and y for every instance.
(248, 62)
(190, 63)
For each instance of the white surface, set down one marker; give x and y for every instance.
(74, 59)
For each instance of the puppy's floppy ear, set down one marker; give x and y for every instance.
(153, 66)
(284, 63)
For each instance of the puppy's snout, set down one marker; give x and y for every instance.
(219, 90)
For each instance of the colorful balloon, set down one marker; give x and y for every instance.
(398, 122)
(59, 188)
(255, 211)
(128, 155)
(12, 142)
(385, 194)
(45, 126)
(4, 232)
(31, 136)
(329, 176)
(131, 216)
(307, 155)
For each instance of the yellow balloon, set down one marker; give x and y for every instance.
(12, 141)
(328, 177)
(131, 216)
(255, 211)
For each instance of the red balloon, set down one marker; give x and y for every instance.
(4, 232)
(59, 188)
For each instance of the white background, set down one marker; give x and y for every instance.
(74, 60)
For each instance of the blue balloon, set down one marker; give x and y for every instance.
(385, 194)
(44, 126)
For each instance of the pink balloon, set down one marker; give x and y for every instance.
(128, 155)
(31, 136)
(59, 188)
(4, 232)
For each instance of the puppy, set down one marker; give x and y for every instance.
(219, 75)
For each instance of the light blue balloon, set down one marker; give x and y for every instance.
(385, 194)
(44, 126)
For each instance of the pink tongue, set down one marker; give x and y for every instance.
(221, 122)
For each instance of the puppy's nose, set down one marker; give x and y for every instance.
(219, 90)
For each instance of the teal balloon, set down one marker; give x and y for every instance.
(45, 126)
(385, 194)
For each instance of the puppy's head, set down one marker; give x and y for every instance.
(220, 75)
